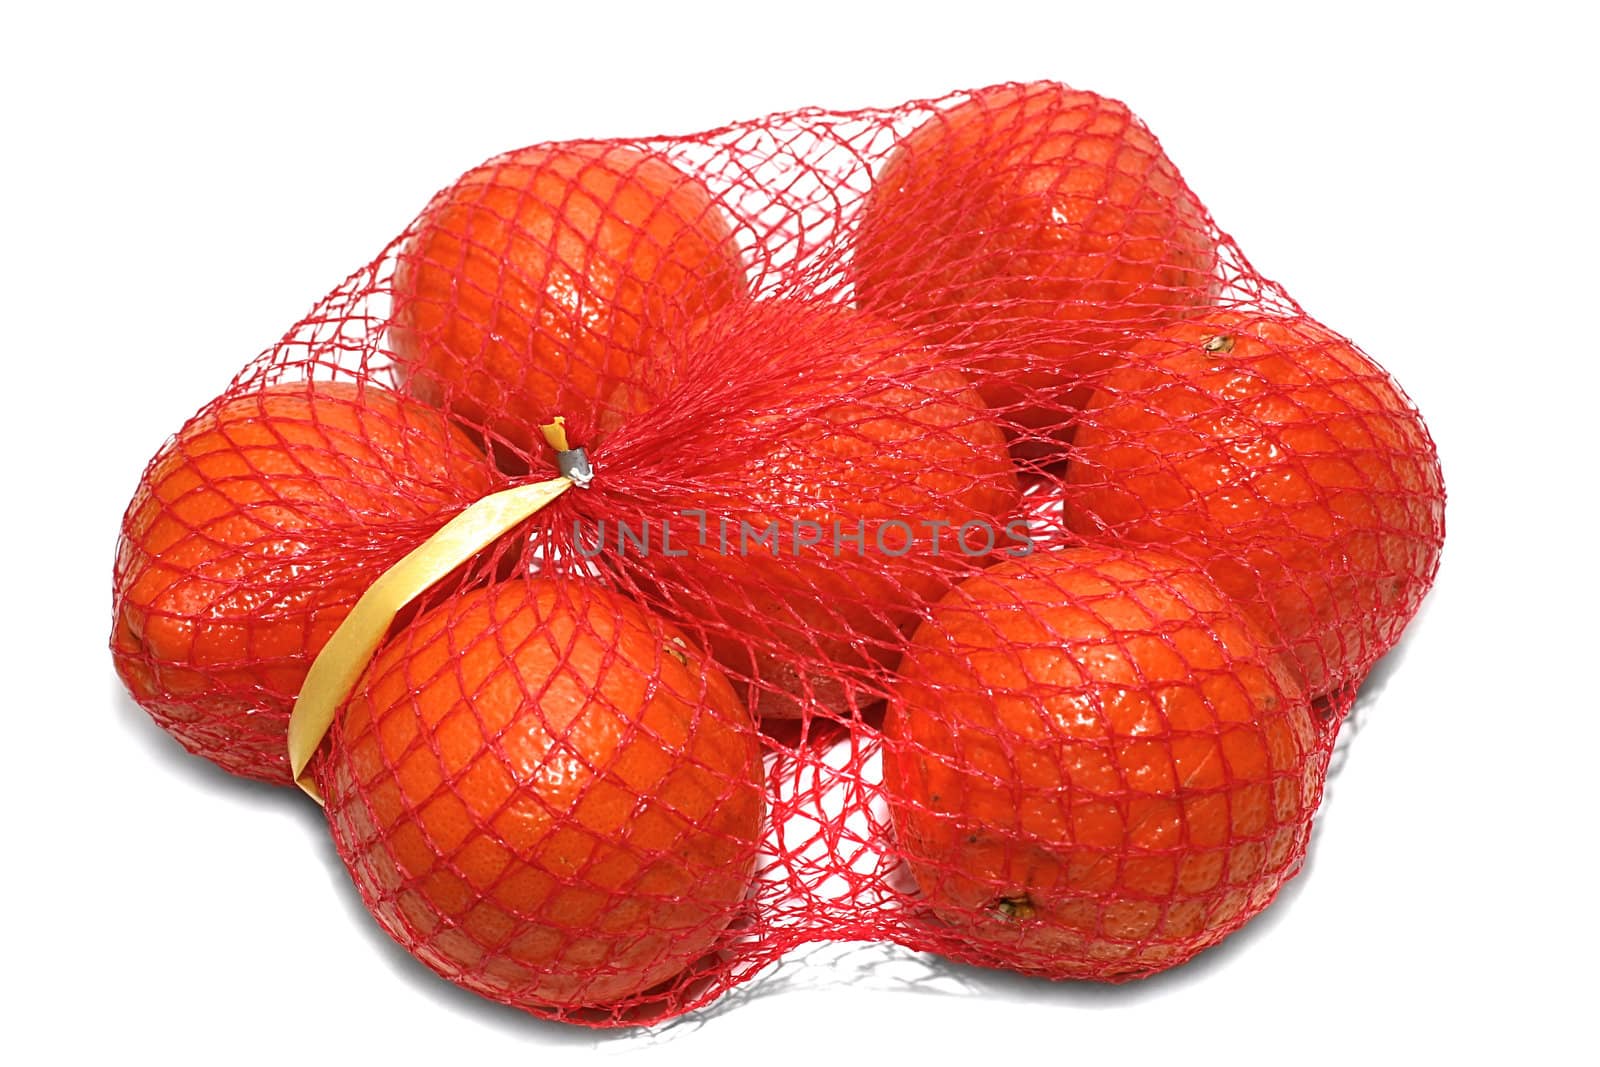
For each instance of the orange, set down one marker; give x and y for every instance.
(864, 437)
(1039, 228)
(546, 795)
(1287, 462)
(1095, 765)
(550, 281)
(249, 539)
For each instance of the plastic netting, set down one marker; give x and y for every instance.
(980, 556)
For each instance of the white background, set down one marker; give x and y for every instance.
(180, 186)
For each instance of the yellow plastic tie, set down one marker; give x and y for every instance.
(555, 434)
(339, 665)
(571, 462)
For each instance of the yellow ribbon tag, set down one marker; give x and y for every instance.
(339, 665)
(555, 434)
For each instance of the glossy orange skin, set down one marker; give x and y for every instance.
(1041, 228)
(1284, 460)
(1094, 766)
(550, 281)
(546, 795)
(251, 537)
(865, 432)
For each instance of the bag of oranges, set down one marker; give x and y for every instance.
(917, 524)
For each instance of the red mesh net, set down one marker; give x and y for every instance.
(980, 555)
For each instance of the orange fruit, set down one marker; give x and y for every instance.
(1040, 228)
(867, 438)
(1287, 462)
(537, 284)
(250, 537)
(546, 795)
(1095, 765)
